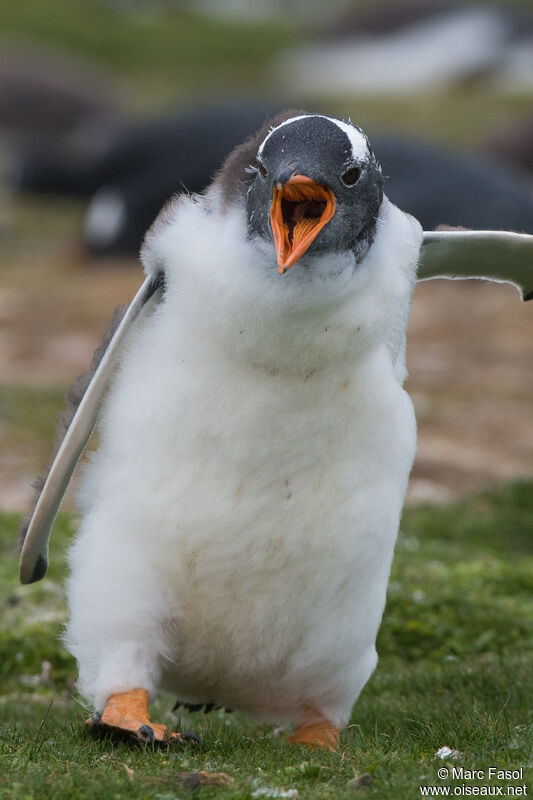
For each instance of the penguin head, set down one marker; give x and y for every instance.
(316, 186)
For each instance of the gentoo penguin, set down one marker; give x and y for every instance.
(239, 517)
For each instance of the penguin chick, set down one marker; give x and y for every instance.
(239, 518)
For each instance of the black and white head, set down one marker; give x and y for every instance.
(312, 185)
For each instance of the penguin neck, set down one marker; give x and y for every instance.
(275, 328)
(226, 300)
(297, 343)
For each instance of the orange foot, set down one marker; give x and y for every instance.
(315, 731)
(127, 714)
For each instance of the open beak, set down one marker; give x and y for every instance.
(300, 209)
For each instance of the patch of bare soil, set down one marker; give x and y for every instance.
(470, 358)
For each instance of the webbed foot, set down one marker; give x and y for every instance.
(127, 714)
(315, 732)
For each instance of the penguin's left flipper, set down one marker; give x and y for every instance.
(126, 714)
(34, 554)
(491, 255)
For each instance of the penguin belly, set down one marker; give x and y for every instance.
(237, 533)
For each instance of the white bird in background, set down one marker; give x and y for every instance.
(239, 517)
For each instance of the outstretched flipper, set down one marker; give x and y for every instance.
(492, 255)
(34, 555)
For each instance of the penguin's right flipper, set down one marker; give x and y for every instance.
(34, 554)
(501, 256)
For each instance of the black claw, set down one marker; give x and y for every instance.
(96, 720)
(190, 737)
(192, 707)
(206, 708)
(147, 733)
(40, 567)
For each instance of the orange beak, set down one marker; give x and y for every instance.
(300, 209)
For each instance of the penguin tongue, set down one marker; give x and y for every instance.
(300, 209)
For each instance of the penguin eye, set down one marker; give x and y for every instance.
(262, 170)
(351, 177)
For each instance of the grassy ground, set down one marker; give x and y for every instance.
(157, 53)
(455, 669)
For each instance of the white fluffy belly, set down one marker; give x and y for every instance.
(245, 538)
(288, 609)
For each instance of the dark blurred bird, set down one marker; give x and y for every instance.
(137, 169)
(47, 98)
(438, 185)
(140, 168)
(513, 144)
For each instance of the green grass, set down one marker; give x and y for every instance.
(164, 52)
(28, 415)
(455, 669)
